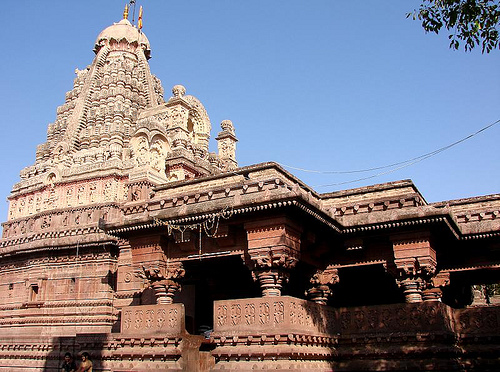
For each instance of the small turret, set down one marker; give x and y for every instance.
(226, 143)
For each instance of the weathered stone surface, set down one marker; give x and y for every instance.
(125, 206)
(153, 320)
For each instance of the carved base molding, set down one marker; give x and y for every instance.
(284, 333)
(278, 333)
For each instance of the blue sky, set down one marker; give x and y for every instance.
(323, 84)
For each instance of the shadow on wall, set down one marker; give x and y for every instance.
(421, 336)
(75, 346)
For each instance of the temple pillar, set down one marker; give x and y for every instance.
(411, 286)
(321, 282)
(273, 250)
(414, 265)
(128, 285)
(165, 281)
(433, 291)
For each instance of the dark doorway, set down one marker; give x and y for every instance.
(365, 286)
(209, 280)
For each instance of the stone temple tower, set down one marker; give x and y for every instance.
(115, 135)
(114, 139)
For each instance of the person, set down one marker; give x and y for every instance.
(69, 364)
(86, 365)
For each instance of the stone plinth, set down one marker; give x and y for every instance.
(273, 333)
(153, 320)
(275, 315)
(416, 336)
(478, 329)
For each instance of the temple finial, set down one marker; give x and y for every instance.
(139, 20)
(125, 12)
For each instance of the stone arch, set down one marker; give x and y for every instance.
(150, 148)
(140, 148)
(52, 177)
(200, 121)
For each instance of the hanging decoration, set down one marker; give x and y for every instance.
(210, 226)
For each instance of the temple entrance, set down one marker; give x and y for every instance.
(365, 285)
(209, 280)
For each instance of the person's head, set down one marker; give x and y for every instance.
(85, 356)
(67, 357)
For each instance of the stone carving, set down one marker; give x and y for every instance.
(250, 314)
(414, 265)
(142, 151)
(178, 91)
(322, 281)
(272, 271)
(266, 316)
(158, 319)
(272, 253)
(165, 281)
(226, 142)
(153, 154)
(433, 287)
(158, 156)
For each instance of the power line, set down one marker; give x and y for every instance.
(398, 165)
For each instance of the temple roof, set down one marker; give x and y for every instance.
(120, 31)
(115, 128)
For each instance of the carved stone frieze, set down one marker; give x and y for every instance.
(160, 319)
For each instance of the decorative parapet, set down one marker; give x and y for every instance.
(478, 322)
(273, 333)
(283, 315)
(153, 320)
(397, 320)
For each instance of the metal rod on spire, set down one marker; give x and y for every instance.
(132, 2)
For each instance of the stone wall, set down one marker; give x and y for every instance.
(277, 334)
(281, 333)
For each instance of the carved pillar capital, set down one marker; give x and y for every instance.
(322, 281)
(433, 289)
(414, 264)
(412, 288)
(273, 250)
(165, 291)
(412, 276)
(165, 280)
(271, 270)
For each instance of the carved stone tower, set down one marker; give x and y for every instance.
(115, 137)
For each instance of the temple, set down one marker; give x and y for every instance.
(130, 240)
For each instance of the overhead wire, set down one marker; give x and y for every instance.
(398, 165)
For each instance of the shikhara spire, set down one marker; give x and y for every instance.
(115, 121)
